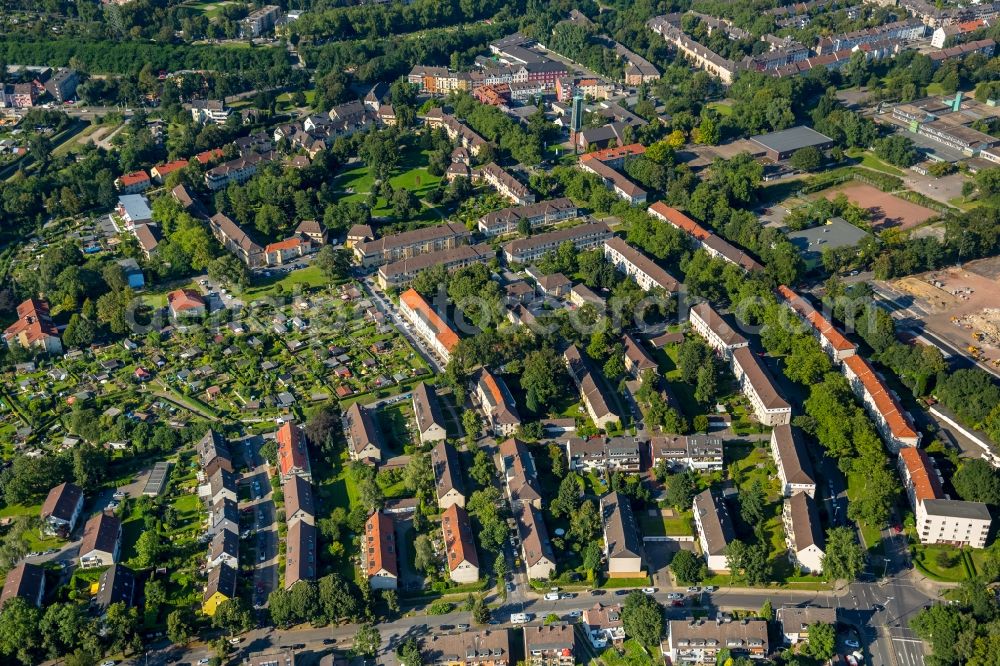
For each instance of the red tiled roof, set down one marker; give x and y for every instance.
(184, 299)
(169, 167)
(33, 322)
(134, 178)
(458, 542)
(379, 545)
(897, 420)
(209, 156)
(292, 454)
(630, 150)
(416, 302)
(680, 220)
(922, 475)
(286, 244)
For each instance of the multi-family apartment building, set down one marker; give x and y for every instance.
(210, 111)
(378, 552)
(504, 183)
(459, 545)
(795, 470)
(701, 641)
(715, 330)
(759, 388)
(536, 550)
(497, 403)
(891, 420)
(507, 220)
(427, 413)
(714, 527)
(716, 246)
(583, 236)
(592, 390)
(701, 453)
(260, 21)
(456, 130)
(364, 441)
(939, 519)
(607, 165)
(448, 480)
(410, 244)
(520, 473)
(34, 328)
(401, 273)
(600, 454)
(467, 648)
(432, 80)
(232, 237)
(638, 266)
(803, 532)
(832, 340)
(428, 324)
(622, 541)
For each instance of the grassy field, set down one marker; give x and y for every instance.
(681, 524)
(309, 277)
(870, 161)
(721, 108)
(411, 174)
(925, 558)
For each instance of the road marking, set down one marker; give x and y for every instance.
(907, 640)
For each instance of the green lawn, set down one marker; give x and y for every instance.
(870, 161)
(667, 359)
(872, 535)
(660, 525)
(721, 108)
(309, 277)
(925, 558)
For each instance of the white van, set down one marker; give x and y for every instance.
(552, 596)
(520, 618)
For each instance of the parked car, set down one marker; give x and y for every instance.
(710, 588)
(552, 596)
(575, 614)
(463, 627)
(649, 590)
(596, 593)
(694, 589)
(675, 595)
(677, 603)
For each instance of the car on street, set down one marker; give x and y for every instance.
(446, 627)
(649, 590)
(694, 589)
(596, 593)
(203, 661)
(621, 593)
(463, 627)
(710, 588)
(567, 595)
(675, 595)
(510, 587)
(677, 603)
(329, 641)
(552, 596)
(109, 662)
(878, 608)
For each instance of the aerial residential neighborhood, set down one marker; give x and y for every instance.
(499, 333)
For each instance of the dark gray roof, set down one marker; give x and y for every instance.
(715, 522)
(957, 509)
(620, 529)
(116, 585)
(794, 458)
(791, 139)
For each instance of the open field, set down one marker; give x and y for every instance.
(887, 211)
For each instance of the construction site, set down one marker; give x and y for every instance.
(961, 305)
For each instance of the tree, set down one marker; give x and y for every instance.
(977, 481)
(180, 626)
(568, 497)
(752, 503)
(473, 426)
(688, 567)
(806, 159)
(62, 628)
(122, 626)
(681, 489)
(19, 635)
(480, 611)
(332, 262)
(845, 557)
(148, 548)
(898, 150)
(338, 598)
(766, 611)
(642, 617)
(483, 469)
(232, 616)
(706, 387)
(408, 651)
(79, 332)
(542, 378)
(424, 557)
(367, 641)
(822, 643)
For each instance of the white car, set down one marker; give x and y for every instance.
(575, 614)
(552, 596)
(520, 618)
(203, 661)
(649, 590)
(675, 595)
(109, 662)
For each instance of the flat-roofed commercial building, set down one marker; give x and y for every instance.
(782, 144)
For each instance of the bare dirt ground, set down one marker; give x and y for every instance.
(961, 305)
(887, 211)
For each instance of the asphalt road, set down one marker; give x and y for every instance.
(263, 513)
(886, 643)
